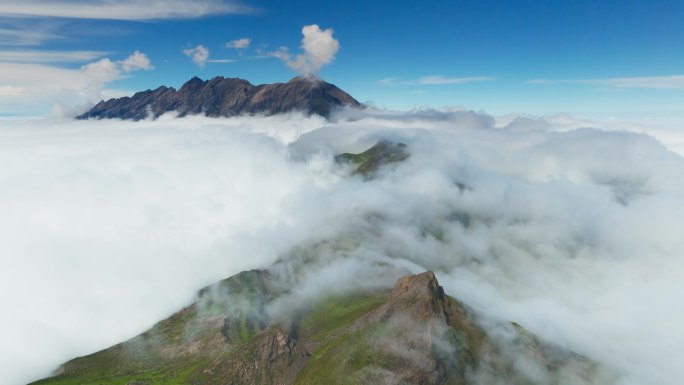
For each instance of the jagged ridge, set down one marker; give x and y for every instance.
(227, 97)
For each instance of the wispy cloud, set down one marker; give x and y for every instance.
(436, 79)
(43, 56)
(650, 82)
(199, 55)
(239, 43)
(25, 37)
(221, 61)
(120, 10)
(433, 80)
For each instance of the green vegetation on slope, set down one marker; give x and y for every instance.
(413, 334)
(368, 162)
(336, 312)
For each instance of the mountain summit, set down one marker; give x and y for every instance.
(227, 97)
(411, 334)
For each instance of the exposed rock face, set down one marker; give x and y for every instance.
(411, 334)
(227, 97)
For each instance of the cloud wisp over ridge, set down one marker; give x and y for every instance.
(319, 49)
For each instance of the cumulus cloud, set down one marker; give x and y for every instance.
(199, 55)
(571, 231)
(102, 71)
(120, 10)
(239, 43)
(137, 61)
(32, 85)
(105, 70)
(319, 48)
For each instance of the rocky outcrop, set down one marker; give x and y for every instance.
(227, 97)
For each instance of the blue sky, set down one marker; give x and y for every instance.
(609, 58)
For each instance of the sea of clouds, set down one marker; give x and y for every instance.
(570, 227)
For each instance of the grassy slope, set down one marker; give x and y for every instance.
(116, 366)
(414, 334)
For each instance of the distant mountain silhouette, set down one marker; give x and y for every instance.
(227, 97)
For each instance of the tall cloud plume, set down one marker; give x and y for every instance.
(319, 49)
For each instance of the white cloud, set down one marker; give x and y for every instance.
(541, 81)
(32, 86)
(11, 91)
(572, 232)
(239, 43)
(137, 61)
(44, 56)
(648, 82)
(32, 35)
(434, 80)
(221, 61)
(319, 48)
(102, 71)
(105, 71)
(120, 10)
(199, 55)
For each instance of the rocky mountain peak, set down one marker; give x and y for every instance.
(227, 97)
(422, 285)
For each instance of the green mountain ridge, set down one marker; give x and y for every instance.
(411, 334)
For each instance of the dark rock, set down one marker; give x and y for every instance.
(227, 97)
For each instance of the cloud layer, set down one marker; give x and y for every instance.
(319, 49)
(572, 232)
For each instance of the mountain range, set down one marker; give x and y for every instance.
(227, 97)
